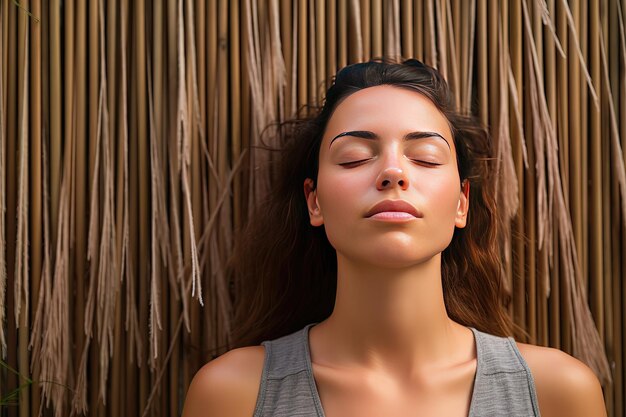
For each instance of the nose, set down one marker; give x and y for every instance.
(392, 177)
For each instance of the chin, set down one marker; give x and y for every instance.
(391, 250)
(397, 261)
(395, 256)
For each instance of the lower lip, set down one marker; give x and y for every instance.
(393, 216)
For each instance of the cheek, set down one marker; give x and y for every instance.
(338, 193)
(442, 194)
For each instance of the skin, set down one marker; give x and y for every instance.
(402, 354)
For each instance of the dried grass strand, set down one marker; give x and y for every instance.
(183, 138)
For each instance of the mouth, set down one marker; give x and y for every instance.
(393, 210)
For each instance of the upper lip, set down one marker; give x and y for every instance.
(393, 205)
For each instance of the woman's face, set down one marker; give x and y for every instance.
(388, 190)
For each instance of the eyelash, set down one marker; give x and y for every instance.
(431, 164)
(353, 164)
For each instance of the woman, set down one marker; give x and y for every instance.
(373, 270)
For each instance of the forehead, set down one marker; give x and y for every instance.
(387, 111)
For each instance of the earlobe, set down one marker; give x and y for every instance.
(463, 206)
(310, 194)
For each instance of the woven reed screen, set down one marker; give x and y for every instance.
(124, 172)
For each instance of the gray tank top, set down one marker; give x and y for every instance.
(503, 385)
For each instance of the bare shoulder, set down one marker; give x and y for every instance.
(227, 386)
(565, 386)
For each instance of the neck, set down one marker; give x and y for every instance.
(390, 313)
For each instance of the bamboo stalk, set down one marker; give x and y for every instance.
(212, 45)
(320, 41)
(67, 287)
(518, 247)
(530, 221)
(172, 174)
(619, 289)
(118, 374)
(366, 24)
(482, 63)
(331, 41)
(246, 105)
(456, 22)
(491, 69)
(3, 193)
(389, 29)
(377, 30)
(612, 259)
(128, 192)
(302, 54)
(464, 55)
(584, 122)
(203, 339)
(55, 115)
(430, 41)
(35, 203)
(441, 44)
(454, 57)
(601, 284)
(407, 29)
(596, 238)
(142, 183)
(619, 387)
(342, 33)
(195, 86)
(531, 249)
(313, 54)
(550, 284)
(117, 371)
(11, 196)
(22, 278)
(83, 174)
(531, 213)
(546, 285)
(397, 29)
(418, 21)
(467, 52)
(613, 180)
(235, 103)
(158, 186)
(575, 139)
(564, 149)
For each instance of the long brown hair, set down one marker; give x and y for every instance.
(285, 270)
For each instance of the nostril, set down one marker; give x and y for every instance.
(385, 183)
(401, 183)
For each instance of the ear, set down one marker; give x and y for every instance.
(463, 207)
(310, 193)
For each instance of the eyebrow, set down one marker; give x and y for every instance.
(366, 134)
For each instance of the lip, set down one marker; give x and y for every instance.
(393, 209)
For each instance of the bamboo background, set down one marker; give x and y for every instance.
(124, 172)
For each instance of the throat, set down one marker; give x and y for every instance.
(398, 313)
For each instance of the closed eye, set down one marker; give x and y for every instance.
(427, 163)
(352, 164)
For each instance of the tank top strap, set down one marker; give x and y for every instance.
(287, 385)
(504, 385)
